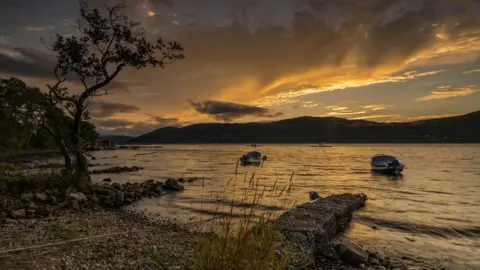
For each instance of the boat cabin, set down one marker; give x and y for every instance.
(384, 160)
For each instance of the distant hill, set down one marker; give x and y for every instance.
(117, 139)
(458, 129)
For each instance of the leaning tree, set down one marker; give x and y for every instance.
(106, 43)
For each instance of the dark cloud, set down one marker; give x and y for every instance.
(245, 50)
(103, 109)
(228, 111)
(22, 61)
(26, 62)
(161, 121)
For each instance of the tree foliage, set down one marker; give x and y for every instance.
(21, 109)
(106, 43)
(24, 112)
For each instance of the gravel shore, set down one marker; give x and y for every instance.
(113, 239)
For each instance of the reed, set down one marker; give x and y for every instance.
(248, 242)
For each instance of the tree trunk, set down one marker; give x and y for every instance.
(82, 179)
(63, 148)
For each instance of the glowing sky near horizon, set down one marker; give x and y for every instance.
(252, 60)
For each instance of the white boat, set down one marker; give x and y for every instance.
(320, 145)
(386, 164)
(252, 158)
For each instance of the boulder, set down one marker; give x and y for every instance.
(52, 200)
(159, 190)
(30, 213)
(373, 260)
(192, 179)
(172, 184)
(182, 180)
(41, 197)
(31, 205)
(27, 197)
(104, 199)
(95, 199)
(44, 212)
(351, 253)
(103, 191)
(116, 186)
(5, 221)
(17, 213)
(78, 197)
(75, 206)
(119, 198)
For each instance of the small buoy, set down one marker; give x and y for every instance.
(314, 195)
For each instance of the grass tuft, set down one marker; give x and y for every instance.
(246, 243)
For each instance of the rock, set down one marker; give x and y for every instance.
(103, 191)
(374, 227)
(107, 180)
(171, 184)
(147, 183)
(381, 268)
(30, 213)
(41, 197)
(52, 200)
(104, 199)
(75, 206)
(95, 199)
(362, 266)
(314, 195)
(5, 221)
(181, 180)
(116, 186)
(192, 179)
(17, 213)
(159, 190)
(44, 212)
(351, 253)
(27, 197)
(119, 198)
(373, 260)
(31, 205)
(78, 197)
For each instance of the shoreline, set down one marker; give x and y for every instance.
(97, 239)
(124, 239)
(108, 236)
(108, 233)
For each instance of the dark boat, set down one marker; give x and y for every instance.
(386, 164)
(252, 158)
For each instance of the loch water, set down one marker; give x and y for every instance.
(431, 213)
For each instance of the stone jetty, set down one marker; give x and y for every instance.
(308, 229)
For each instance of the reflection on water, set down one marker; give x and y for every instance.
(431, 212)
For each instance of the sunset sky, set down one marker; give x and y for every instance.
(265, 60)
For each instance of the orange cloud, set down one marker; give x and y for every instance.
(471, 71)
(377, 107)
(450, 93)
(339, 83)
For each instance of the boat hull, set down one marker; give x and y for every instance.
(388, 169)
(254, 162)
